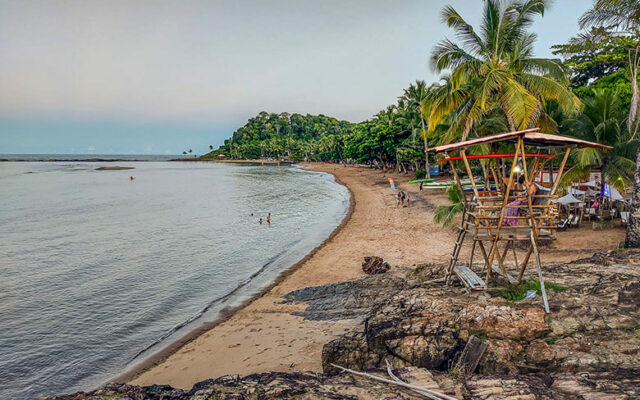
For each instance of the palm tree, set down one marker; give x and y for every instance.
(624, 15)
(445, 214)
(416, 96)
(494, 68)
(602, 121)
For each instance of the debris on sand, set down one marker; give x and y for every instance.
(375, 265)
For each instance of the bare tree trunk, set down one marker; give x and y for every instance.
(633, 227)
(426, 146)
(634, 111)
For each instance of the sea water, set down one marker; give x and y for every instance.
(98, 271)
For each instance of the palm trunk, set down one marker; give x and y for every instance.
(633, 227)
(426, 147)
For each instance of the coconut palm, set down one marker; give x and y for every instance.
(602, 121)
(624, 16)
(416, 96)
(494, 68)
(445, 214)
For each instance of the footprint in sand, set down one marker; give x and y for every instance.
(260, 352)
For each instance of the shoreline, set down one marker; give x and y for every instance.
(263, 335)
(228, 312)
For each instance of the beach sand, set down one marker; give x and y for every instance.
(264, 336)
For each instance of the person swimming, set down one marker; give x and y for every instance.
(260, 221)
(131, 177)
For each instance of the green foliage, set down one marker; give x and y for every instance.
(494, 70)
(595, 55)
(420, 174)
(517, 293)
(294, 136)
(445, 214)
(602, 121)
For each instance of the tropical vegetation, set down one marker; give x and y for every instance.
(491, 81)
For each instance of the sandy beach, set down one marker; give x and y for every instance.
(264, 336)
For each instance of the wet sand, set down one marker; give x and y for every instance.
(264, 336)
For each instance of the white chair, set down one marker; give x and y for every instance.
(575, 220)
(624, 216)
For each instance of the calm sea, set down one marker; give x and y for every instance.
(96, 268)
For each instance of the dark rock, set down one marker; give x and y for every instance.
(346, 300)
(375, 265)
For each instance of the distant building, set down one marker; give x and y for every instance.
(221, 157)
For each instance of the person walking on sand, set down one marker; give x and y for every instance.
(398, 199)
(408, 201)
(269, 218)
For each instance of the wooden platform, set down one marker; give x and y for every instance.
(469, 278)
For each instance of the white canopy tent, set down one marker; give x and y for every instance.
(568, 199)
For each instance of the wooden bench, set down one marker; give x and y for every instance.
(469, 278)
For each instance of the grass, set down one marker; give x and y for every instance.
(551, 339)
(517, 293)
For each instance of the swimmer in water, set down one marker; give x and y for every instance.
(260, 221)
(131, 177)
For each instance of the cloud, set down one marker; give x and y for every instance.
(91, 149)
(148, 149)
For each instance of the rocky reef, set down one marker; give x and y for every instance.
(588, 347)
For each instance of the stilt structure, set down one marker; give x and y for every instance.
(485, 206)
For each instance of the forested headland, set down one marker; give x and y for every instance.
(490, 82)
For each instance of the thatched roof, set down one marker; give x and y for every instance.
(532, 137)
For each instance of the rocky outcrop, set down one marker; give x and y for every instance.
(614, 385)
(345, 300)
(593, 325)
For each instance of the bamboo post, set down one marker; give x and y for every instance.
(473, 181)
(504, 205)
(542, 288)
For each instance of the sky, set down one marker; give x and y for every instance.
(161, 77)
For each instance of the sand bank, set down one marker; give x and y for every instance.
(264, 336)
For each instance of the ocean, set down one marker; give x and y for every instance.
(98, 271)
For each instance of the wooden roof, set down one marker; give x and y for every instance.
(532, 137)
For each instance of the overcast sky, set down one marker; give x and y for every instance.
(164, 76)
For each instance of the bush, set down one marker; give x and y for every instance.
(420, 174)
(517, 293)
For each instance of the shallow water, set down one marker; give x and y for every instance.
(95, 268)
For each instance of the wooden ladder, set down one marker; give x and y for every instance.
(455, 253)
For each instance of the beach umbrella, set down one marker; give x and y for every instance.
(567, 199)
(591, 184)
(577, 192)
(612, 193)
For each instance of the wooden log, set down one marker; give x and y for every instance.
(471, 355)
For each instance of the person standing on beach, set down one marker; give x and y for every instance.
(408, 201)
(398, 199)
(269, 218)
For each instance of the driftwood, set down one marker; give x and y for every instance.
(395, 378)
(470, 357)
(417, 389)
